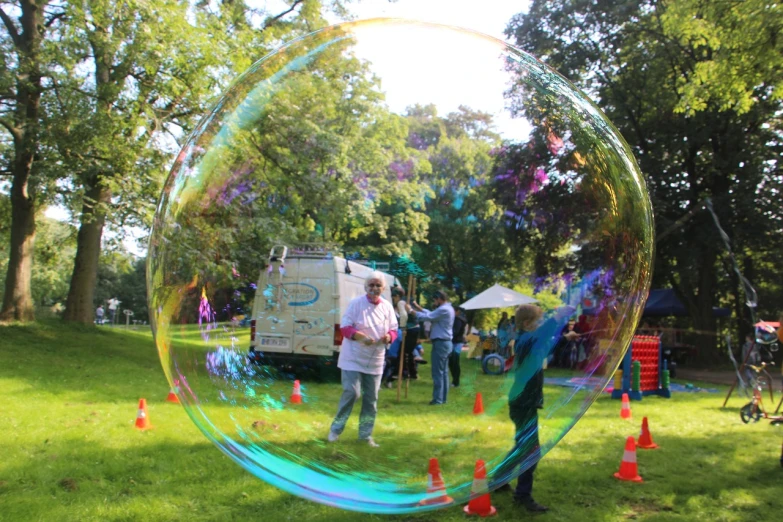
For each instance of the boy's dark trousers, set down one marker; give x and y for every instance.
(525, 420)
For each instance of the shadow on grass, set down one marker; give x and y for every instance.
(106, 363)
(686, 476)
(715, 475)
(150, 480)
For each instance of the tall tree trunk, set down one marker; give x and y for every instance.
(79, 306)
(18, 300)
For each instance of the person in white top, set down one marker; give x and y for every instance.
(395, 348)
(113, 304)
(398, 300)
(368, 325)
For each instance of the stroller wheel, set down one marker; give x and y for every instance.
(493, 364)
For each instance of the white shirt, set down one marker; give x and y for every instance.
(403, 314)
(374, 320)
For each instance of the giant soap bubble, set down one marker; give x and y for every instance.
(435, 155)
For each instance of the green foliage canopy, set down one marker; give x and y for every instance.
(694, 87)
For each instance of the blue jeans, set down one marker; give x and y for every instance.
(353, 383)
(440, 370)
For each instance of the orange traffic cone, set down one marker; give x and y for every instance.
(142, 420)
(478, 406)
(480, 505)
(296, 395)
(625, 411)
(172, 397)
(645, 439)
(436, 488)
(628, 470)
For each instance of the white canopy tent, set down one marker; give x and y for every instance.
(496, 296)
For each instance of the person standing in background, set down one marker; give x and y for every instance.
(394, 352)
(502, 323)
(412, 331)
(458, 340)
(780, 330)
(114, 303)
(505, 334)
(442, 319)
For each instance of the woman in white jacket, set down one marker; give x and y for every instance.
(368, 325)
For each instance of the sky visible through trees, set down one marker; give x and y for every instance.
(682, 123)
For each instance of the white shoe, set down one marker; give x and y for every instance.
(333, 436)
(372, 443)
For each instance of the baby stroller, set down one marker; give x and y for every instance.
(497, 351)
(498, 356)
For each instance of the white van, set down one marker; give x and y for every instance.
(300, 299)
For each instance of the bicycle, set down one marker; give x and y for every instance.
(754, 410)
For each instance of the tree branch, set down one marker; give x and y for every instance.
(16, 132)
(274, 19)
(9, 24)
(54, 18)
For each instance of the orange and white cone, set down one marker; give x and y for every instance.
(142, 420)
(480, 503)
(296, 395)
(478, 406)
(628, 469)
(172, 397)
(436, 488)
(645, 439)
(625, 410)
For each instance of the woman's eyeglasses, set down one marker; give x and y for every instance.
(376, 285)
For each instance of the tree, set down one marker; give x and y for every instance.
(122, 275)
(154, 66)
(53, 255)
(54, 251)
(21, 72)
(147, 65)
(465, 248)
(312, 156)
(695, 88)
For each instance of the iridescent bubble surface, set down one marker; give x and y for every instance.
(442, 156)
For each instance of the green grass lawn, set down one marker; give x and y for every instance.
(70, 452)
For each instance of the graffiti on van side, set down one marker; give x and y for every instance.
(301, 294)
(306, 328)
(310, 329)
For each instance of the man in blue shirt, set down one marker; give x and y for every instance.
(442, 319)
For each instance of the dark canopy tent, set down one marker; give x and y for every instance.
(664, 302)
